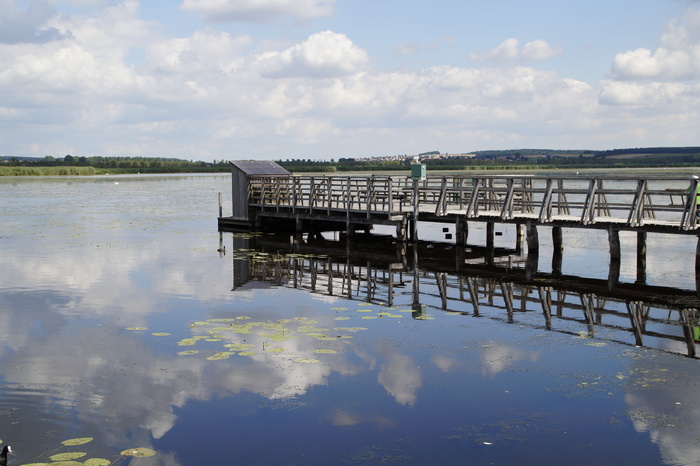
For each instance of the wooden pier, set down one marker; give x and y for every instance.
(266, 197)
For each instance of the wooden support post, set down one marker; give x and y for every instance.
(519, 235)
(489, 235)
(461, 231)
(614, 274)
(557, 250)
(641, 257)
(490, 256)
(533, 250)
(533, 242)
(221, 208)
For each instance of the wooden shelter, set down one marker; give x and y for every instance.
(241, 171)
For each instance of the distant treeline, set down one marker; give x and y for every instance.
(482, 160)
(98, 165)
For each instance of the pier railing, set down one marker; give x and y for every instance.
(624, 202)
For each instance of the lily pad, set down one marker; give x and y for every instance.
(97, 462)
(307, 360)
(222, 355)
(246, 353)
(77, 441)
(188, 352)
(140, 452)
(238, 346)
(136, 328)
(67, 456)
(325, 351)
(160, 334)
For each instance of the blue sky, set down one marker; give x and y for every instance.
(321, 79)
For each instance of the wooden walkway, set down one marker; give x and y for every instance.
(663, 205)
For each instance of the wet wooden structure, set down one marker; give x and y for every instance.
(629, 313)
(312, 204)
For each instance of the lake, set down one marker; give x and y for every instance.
(133, 332)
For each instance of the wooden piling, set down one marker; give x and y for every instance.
(557, 250)
(641, 257)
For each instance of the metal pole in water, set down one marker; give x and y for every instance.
(414, 233)
(221, 209)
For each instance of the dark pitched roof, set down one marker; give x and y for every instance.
(260, 168)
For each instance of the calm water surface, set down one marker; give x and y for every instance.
(121, 322)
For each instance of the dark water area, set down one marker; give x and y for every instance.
(124, 323)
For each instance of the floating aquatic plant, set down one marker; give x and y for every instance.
(97, 462)
(136, 328)
(77, 441)
(67, 456)
(140, 452)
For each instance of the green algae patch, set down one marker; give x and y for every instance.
(140, 452)
(67, 456)
(77, 441)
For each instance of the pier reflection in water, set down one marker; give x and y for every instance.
(499, 284)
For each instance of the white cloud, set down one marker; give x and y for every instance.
(325, 54)
(263, 11)
(644, 94)
(676, 57)
(509, 50)
(30, 26)
(539, 50)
